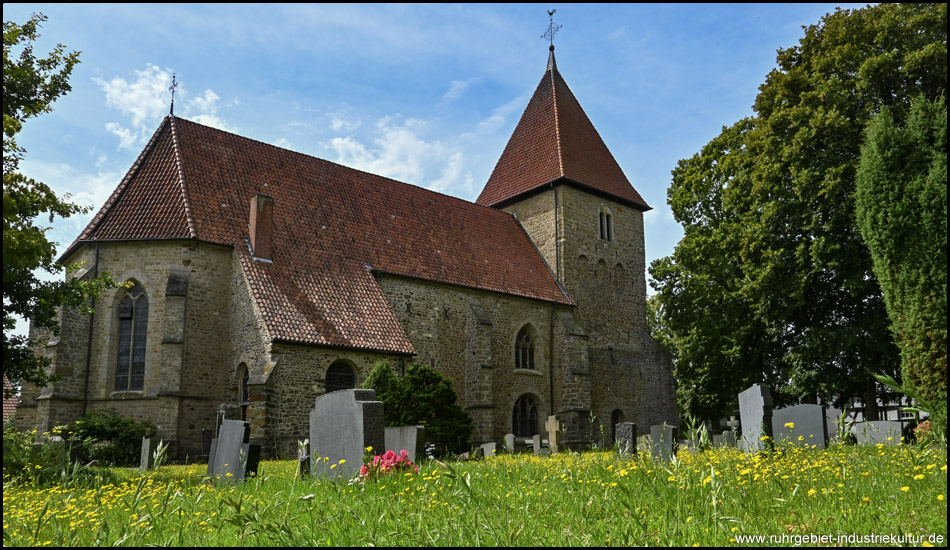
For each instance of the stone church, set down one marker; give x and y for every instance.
(262, 277)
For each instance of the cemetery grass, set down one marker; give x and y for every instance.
(586, 499)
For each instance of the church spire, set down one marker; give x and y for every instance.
(555, 143)
(550, 34)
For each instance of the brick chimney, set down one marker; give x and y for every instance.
(262, 226)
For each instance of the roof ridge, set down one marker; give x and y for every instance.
(557, 122)
(103, 212)
(314, 157)
(180, 169)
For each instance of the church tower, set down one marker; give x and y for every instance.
(559, 179)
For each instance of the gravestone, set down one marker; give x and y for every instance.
(233, 457)
(412, 439)
(726, 439)
(877, 431)
(808, 425)
(554, 434)
(488, 449)
(147, 457)
(536, 444)
(303, 457)
(625, 437)
(342, 425)
(509, 443)
(755, 412)
(662, 441)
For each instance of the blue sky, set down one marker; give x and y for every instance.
(427, 94)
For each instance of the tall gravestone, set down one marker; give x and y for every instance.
(233, 457)
(342, 425)
(662, 441)
(755, 413)
(553, 426)
(626, 438)
(801, 425)
(147, 456)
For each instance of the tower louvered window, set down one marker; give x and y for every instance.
(133, 332)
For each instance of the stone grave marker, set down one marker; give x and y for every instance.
(233, 457)
(553, 426)
(488, 449)
(662, 441)
(147, 457)
(877, 431)
(536, 444)
(412, 439)
(510, 443)
(806, 425)
(342, 425)
(626, 438)
(755, 413)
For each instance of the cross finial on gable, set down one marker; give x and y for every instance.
(171, 88)
(552, 28)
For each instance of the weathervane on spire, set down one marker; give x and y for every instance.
(552, 28)
(171, 89)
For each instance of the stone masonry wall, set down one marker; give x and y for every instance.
(184, 371)
(606, 278)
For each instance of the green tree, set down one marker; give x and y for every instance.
(30, 85)
(423, 397)
(902, 212)
(771, 242)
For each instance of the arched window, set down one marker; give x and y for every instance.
(524, 417)
(606, 225)
(524, 350)
(133, 330)
(243, 393)
(340, 376)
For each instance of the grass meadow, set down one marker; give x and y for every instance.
(714, 498)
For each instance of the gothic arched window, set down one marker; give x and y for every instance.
(524, 417)
(524, 349)
(340, 376)
(133, 331)
(243, 390)
(606, 225)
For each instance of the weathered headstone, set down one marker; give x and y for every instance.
(726, 439)
(342, 425)
(233, 457)
(626, 438)
(553, 426)
(801, 425)
(755, 411)
(509, 443)
(412, 439)
(877, 431)
(147, 457)
(488, 449)
(536, 444)
(662, 441)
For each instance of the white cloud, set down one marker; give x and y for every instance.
(338, 123)
(499, 116)
(126, 137)
(456, 88)
(144, 100)
(400, 153)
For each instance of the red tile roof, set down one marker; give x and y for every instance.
(556, 142)
(333, 227)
